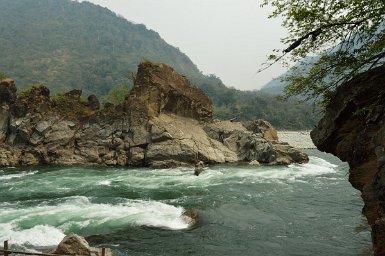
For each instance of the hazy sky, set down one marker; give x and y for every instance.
(228, 38)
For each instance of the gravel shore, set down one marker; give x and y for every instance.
(298, 139)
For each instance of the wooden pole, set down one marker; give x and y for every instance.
(103, 251)
(5, 248)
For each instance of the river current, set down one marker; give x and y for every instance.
(308, 209)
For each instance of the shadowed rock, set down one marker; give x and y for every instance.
(7, 91)
(93, 102)
(353, 129)
(74, 94)
(199, 168)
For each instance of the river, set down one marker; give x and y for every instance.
(308, 209)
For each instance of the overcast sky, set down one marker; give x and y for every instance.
(228, 38)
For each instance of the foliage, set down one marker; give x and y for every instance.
(288, 114)
(26, 91)
(65, 44)
(117, 95)
(68, 45)
(2, 75)
(348, 37)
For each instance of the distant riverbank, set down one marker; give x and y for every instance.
(298, 139)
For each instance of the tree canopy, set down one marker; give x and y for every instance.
(342, 38)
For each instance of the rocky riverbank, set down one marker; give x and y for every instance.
(298, 139)
(163, 122)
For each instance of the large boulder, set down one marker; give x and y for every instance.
(76, 245)
(353, 129)
(163, 90)
(263, 127)
(254, 141)
(176, 141)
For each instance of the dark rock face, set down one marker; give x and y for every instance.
(93, 102)
(74, 94)
(199, 168)
(7, 91)
(7, 96)
(353, 129)
(163, 122)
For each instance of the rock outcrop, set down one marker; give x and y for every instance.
(163, 90)
(353, 129)
(254, 141)
(163, 122)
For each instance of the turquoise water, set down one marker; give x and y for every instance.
(308, 209)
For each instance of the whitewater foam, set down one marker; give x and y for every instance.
(40, 235)
(105, 182)
(46, 224)
(17, 175)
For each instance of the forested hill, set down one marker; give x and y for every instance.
(65, 44)
(69, 44)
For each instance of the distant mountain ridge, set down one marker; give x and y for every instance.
(275, 86)
(65, 45)
(51, 41)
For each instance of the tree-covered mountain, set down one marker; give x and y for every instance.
(65, 44)
(275, 86)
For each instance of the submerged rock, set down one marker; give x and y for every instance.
(353, 129)
(190, 216)
(163, 122)
(199, 168)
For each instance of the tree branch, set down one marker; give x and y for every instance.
(315, 33)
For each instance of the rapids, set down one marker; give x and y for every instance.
(307, 209)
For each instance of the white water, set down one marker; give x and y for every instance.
(42, 220)
(47, 224)
(17, 175)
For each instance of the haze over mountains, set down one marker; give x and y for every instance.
(66, 44)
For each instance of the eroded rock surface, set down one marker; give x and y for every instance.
(353, 129)
(163, 122)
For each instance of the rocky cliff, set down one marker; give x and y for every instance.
(353, 129)
(163, 122)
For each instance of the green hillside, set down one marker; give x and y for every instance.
(65, 44)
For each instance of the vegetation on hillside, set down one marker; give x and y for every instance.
(65, 45)
(355, 29)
